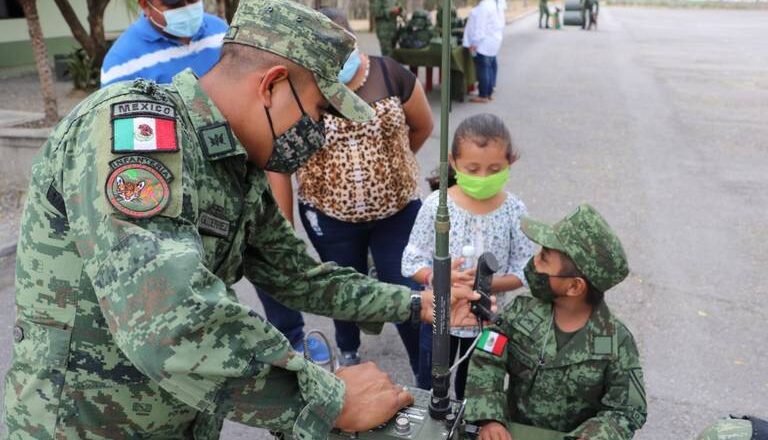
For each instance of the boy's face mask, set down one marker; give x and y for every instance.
(482, 188)
(538, 283)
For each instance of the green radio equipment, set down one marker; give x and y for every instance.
(433, 415)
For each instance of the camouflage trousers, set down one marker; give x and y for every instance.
(386, 32)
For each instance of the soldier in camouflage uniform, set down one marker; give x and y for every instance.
(385, 13)
(543, 13)
(573, 367)
(736, 428)
(145, 205)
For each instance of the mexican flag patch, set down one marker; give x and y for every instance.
(143, 126)
(492, 342)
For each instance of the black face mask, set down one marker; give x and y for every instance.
(538, 283)
(293, 148)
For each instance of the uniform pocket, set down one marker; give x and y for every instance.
(34, 382)
(587, 374)
(521, 362)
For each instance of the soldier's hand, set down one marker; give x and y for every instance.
(494, 431)
(461, 313)
(370, 398)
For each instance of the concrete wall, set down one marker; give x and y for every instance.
(16, 50)
(18, 147)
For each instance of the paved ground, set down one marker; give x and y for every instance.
(659, 120)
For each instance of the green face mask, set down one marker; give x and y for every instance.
(482, 188)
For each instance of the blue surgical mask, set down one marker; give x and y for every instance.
(182, 22)
(350, 67)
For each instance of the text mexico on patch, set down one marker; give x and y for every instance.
(143, 126)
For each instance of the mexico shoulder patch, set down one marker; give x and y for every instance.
(137, 186)
(492, 342)
(143, 126)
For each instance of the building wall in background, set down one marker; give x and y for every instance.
(16, 50)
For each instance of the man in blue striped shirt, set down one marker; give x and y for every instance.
(168, 37)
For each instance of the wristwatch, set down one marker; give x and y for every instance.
(415, 308)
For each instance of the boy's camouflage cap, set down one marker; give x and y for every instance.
(308, 38)
(587, 239)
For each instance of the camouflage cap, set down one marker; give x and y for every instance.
(308, 38)
(587, 239)
(728, 429)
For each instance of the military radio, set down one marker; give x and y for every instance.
(486, 267)
(430, 417)
(433, 415)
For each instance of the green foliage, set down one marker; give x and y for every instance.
(84, 74)
(131, 8)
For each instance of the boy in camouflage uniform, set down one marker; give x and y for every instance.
(736, 428)
(573, 367)
(543, 13)
(145, 206)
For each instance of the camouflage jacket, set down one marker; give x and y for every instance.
(127, 326)
(592, 388)
(382, 9)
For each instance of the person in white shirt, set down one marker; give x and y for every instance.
(482, 35)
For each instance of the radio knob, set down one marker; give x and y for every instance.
(403, 425)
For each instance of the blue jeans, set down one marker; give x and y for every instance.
(288, 321)
(347, 244)
(486, 68)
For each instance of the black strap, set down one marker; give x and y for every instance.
(295, 95)
(385, 72)
(759, 428)
(56, 200)
(298, 101)
(269, 118)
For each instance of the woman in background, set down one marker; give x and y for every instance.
(360, 191)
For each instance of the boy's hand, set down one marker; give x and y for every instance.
(494, 431)
(461, 311)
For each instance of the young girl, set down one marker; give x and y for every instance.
(484, 218)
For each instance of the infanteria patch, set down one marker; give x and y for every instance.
(137, 186)
(143, 126)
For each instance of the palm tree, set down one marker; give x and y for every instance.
(41, 60)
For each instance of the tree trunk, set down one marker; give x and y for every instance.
(94, 43)
(221, 9)
(96, 9)
(231, 8)
(78, 31)
(41, 60)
